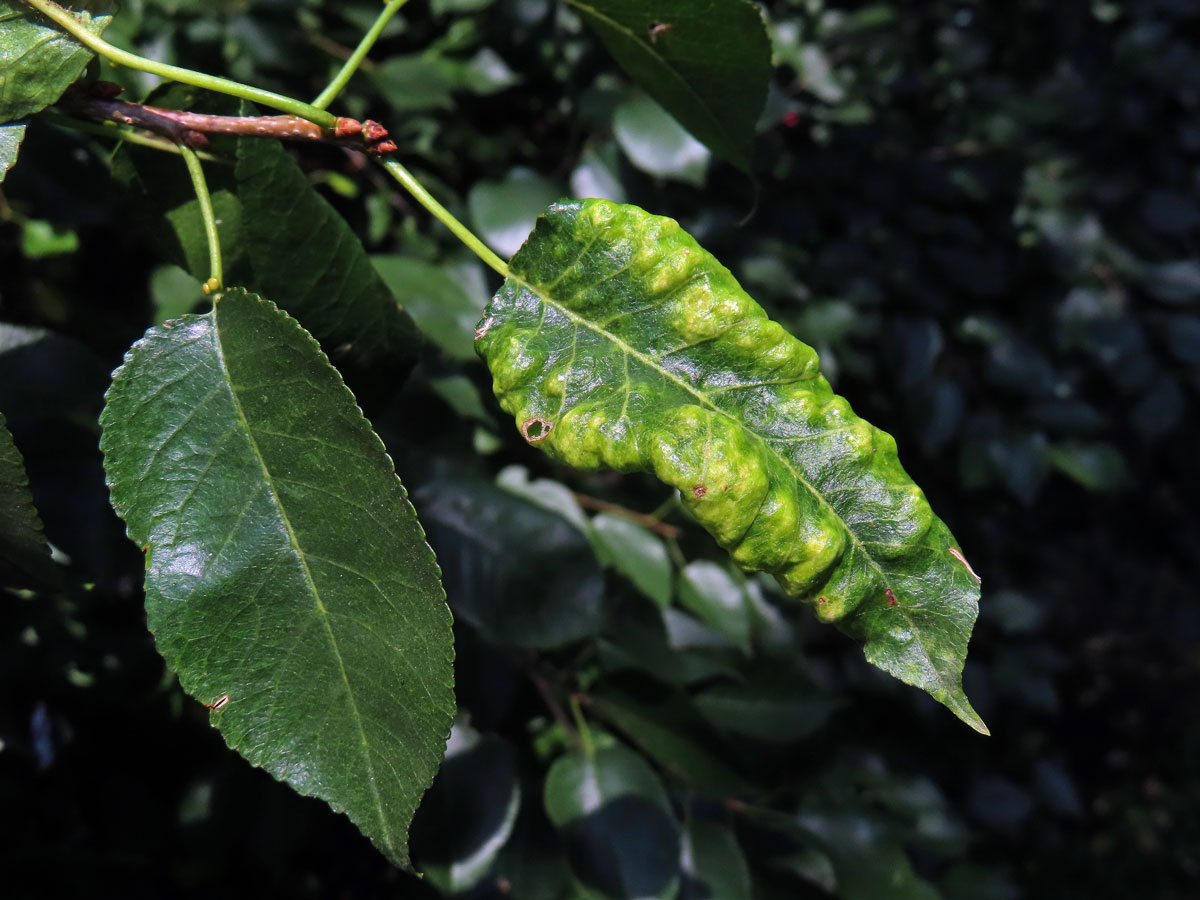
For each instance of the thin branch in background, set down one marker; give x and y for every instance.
(647, 521)
(552, 704)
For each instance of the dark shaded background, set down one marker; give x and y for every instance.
(986, 216)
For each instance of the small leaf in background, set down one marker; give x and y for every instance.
(10, 145)
(636, 553)
(621, 835)
(288, 582)
(708, 590)
(445, 308)
(522, 575)
(550, 495)
(38, 59)
(768, 708)
(669, 732)
(869, 862)
(40, 239)
(24, 553)
(174, 292)
(596, 175)
(467, 816)
(707, 63)
(302, 251)
(1095, 466)
(714, 866)
(159, 198)
(655, 142)
(619, 342)
(415, 82)
(503, 212)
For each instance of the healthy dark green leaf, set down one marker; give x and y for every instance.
(445, 307)
(636, 553)
(469, 813)
(709, 591)
(38, 61)
(621, 835)
(707, 61)
(714, 867)
(618, 342)
(23, 549)
(522, 575)
(670, 733)
(288, 582)
(302, 250)
(10, 145)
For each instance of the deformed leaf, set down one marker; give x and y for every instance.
(38, 60)
(288, 582)
(10, 145)
(618, 342)
(23, 549)
(707, 63)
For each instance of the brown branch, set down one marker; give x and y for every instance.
(646, 521)
(96, 101)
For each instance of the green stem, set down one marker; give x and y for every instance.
(460, 231)
(215, 282)
(120, 57)
(360, 53)
(581, 725)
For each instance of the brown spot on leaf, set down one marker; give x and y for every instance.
(891, 597)
(536, 429)
(699, 490)
(822, 601)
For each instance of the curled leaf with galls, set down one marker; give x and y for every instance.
(618, 342)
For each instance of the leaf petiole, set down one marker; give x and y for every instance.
(443, 215)
(342, 78)
(65, 20)
(216, 281)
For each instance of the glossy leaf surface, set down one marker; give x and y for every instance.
(288, 582)
(38, 61)
(706, 61)
(618, 342)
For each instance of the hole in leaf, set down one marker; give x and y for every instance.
(536, 429)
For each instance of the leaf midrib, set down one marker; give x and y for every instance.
(308, 577)
(714, 121)
(672, 377)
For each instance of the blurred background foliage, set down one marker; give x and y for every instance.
(985, 215)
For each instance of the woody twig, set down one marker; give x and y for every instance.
(98, 101)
